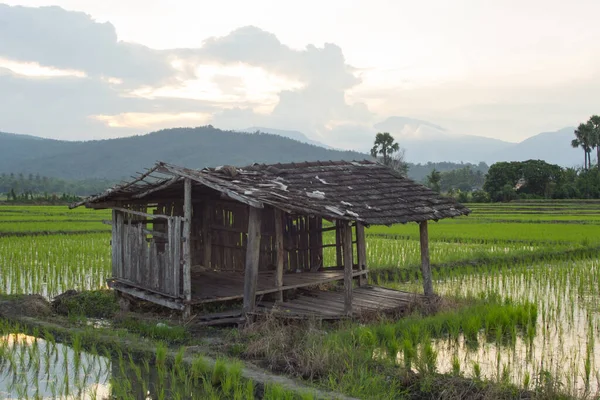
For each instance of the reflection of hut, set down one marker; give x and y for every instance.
(183, 237)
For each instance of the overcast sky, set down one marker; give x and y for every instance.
(332, 69)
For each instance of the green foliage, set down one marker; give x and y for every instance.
(507, 181)
(42, 189)
(386, 146)
(465, 179)
(433, 180)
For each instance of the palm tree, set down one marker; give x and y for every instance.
(433, 180)
(386, 146)
(594, 121)
(583, 139)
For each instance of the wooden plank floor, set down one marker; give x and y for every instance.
(208, 286)
(326, 304)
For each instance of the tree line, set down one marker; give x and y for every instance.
(21, 188)
(505, 181)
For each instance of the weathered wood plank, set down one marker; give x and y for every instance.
(279, 252)
(114, 243)
(148, 296)
(177, 225)
(139, 213)
(425, 266)
(339, 261)
(119, 246)
(347, 245)
(187, 242)
(207, 234)
(157, 188)
(361, 250)
(169, 263)
(252, 257)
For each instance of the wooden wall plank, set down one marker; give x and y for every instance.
(361, 249)
(207, 234)
(425, 266)
(114, 243)
(177, 226)
(347, 244)
(280, 252)
(339, 261)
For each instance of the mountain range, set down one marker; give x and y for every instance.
(116, 159)
(427, 142)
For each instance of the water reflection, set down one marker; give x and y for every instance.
(34, 368)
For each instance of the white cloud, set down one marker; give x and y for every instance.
(153, 120)
(502, 69)
(35, 70)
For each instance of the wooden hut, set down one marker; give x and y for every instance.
(182, 237)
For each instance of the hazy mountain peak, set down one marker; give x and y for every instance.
(397, 122)
(291, 134)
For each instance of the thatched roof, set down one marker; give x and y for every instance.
(365, 191)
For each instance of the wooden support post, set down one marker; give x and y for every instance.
(118, 247)
(252, 258)
(187, 244)
(279, 252)
(346, 234)
(207, 234)
(361, 250)
(339, 239)
(425, 266)
(115, 244)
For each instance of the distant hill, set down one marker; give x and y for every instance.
(427, 142)
(116, 159)
(552, 147)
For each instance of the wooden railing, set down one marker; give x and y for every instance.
(148, 259)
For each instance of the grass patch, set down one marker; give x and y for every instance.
(155, 331)
(91, 304)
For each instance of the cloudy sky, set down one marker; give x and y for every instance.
(83, 69)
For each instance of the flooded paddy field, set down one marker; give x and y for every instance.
(520, 284)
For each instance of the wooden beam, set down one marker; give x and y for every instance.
(207, 234)
(361, 250)
(280, 252)
(157, 188)
(141, 214)
(346, 234)
(425, 266)
(148, 296)
(252, 259)
(187, 243)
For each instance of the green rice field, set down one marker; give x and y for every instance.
(530, 268)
